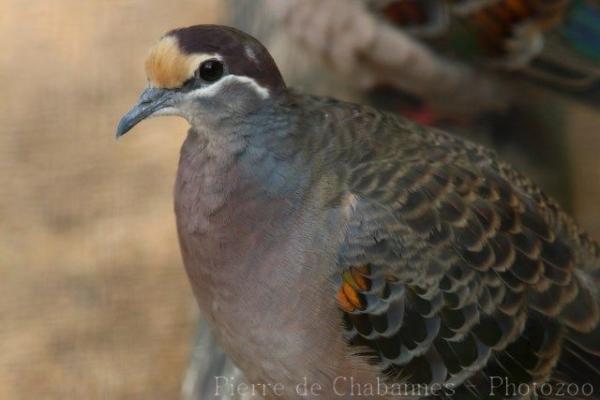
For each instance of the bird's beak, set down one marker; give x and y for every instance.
(151, 101)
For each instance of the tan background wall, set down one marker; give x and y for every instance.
(94, 302)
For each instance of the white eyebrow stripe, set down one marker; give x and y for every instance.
(213, 89)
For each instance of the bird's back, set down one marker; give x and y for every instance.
(503, 281)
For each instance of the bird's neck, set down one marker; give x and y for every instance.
(227, 195)
(210, 177)
(235, 160)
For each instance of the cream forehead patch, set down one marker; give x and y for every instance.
(168, 67)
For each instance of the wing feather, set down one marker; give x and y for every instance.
(469, 271)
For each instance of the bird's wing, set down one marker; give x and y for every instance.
(455, 269)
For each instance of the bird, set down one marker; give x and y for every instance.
(554, 42)
(338, 251)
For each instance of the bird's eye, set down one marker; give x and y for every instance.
(210, 70)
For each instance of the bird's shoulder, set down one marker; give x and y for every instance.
(386, 160)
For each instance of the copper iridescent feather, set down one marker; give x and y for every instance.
(455, 267)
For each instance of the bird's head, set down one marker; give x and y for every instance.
(202, 72)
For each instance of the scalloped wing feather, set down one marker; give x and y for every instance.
(466, 271)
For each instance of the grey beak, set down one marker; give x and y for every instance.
(151, 100)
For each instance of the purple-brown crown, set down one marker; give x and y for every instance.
(175, 58)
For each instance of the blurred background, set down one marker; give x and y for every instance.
(95, 303)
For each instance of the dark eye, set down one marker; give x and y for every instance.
(210, 70)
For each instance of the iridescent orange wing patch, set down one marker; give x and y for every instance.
(353, 282)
